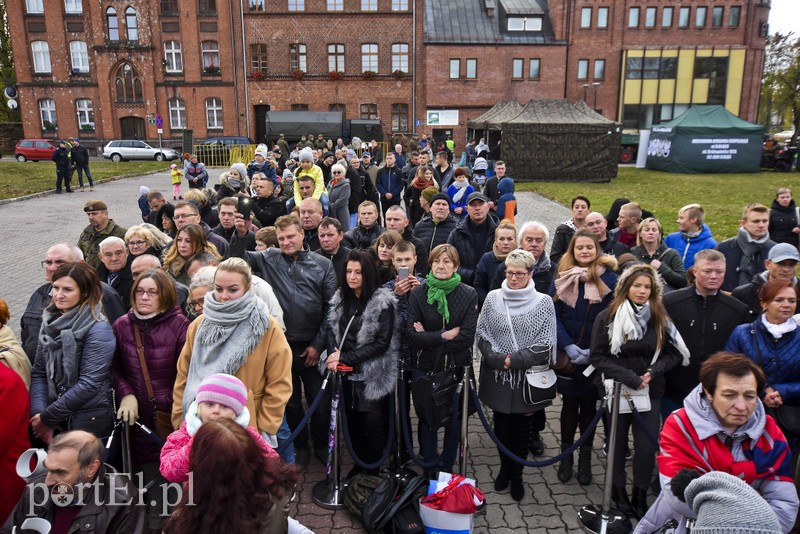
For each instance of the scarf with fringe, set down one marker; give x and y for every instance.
(568, 286)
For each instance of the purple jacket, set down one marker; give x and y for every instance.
(163, 337)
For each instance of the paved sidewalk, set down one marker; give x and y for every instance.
(31, 226)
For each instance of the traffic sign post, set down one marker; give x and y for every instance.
(159, 125)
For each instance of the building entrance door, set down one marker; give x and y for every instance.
(132, 128)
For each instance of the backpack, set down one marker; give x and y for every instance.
(357, 490)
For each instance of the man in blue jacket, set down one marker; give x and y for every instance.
(389, 183)
(692, 235)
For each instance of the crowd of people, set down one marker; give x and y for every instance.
(214, 320)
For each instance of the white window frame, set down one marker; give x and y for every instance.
(73, 7)
(400, 57)
(524, 24)
(85, 111)
(335, 5)
(336, 57)
(177, 114)
(47, 112)
(302, 58)
(173, 56)
(297, 5)
(210, 53)
(113, 31)
(399, 5)
(369, 57)
(213, 113)
(41, 57)
(131, 24)
(79, 56)
(369, 5)
(34, 7)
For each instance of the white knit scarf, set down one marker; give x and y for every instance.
(630, 324)
(462, 188)
(778, 330)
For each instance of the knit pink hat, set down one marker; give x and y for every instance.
(223, 389)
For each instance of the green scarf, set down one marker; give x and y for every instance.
(438, 291)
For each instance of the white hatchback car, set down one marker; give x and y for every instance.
(118, 151)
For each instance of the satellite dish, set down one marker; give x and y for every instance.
(10, 92)
(12, 104)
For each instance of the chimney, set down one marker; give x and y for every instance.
(490, 7)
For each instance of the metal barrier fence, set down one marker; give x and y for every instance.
(224, 155)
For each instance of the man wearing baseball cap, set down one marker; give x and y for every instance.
(781, 264)
(474, 235)
(99, 228)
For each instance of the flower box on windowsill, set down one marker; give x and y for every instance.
(87, 128)
(399, 74)
(369, 74)
(212, 71)
(335, 75)
(298, 74)
(258, 76)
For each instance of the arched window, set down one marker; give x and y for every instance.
(113, 24)
(131, 24)
(128, 85)
(177, 114)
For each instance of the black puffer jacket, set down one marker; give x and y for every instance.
(425, 346)
(360, 237)
(470, 246)
(432, 234)
(781, 223)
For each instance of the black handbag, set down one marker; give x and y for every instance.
(377, 505)
(433, 396)
(98, 421)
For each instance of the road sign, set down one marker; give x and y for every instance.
(160, 131)
(419, 122)
(159, 122)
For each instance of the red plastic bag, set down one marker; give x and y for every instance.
(456, 497)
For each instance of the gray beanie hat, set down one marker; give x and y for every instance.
(306, 155)
(724, 504)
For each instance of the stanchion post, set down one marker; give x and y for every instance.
(127, 466)
(328, 493)
(462, 462)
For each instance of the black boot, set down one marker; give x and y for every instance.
(536, 444)
(501, 482)
(517, 489)
(619, 496)
(585, 465)
(565, 467)
(639, 502)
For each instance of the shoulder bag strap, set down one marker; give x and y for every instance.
(143, 363)
(755, 344)
(346, 329)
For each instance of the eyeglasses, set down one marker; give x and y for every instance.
(512, 274)
(136, 243)
(57, 263)
(151, 293)
(337, 172)
(195, 303)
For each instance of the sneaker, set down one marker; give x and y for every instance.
(91, 188)
(70, 190)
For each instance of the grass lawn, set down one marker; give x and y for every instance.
(722, 195)
(18, 179)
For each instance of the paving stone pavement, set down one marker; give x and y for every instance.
(30, 226)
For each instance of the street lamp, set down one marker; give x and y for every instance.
(596, 85)
(585, 88)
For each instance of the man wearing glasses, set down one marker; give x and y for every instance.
(187, 213)
(31, 321)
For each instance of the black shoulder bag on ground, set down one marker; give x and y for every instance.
(787, 417)
(433, 393)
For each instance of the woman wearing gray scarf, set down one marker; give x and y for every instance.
(237, 336)
(71, 378)
(516, 330)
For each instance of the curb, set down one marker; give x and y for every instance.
(49, 192)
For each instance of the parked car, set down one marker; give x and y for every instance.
(215, 151)
(784, 136)
(122, 150)
(34, 150)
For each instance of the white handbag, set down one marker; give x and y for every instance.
(539, 388)
(638, 397)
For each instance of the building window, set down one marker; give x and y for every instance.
(210, 54)
(369, 5)
(113, 24)
(734, 15)
(177, 114)
(534, 71)
(472, 69)
(700, 17)
(128, 84)
(455, 69)
(297, 57)
(47, 113)
(666, 17)
(399, 117)
(399, 5)
(369, 111)
(586, 17)
(602, 17)
(369, 57)
(599, 69)
(73, 7)
(715, 70)
(297, 5)
(299, 107)
(684, 16)
(207, 7)
(650, 15)
(336, 58)
(169, 7)
(335, 5)
(717, 16)
(214, 113)
(527, 24)
(85, 114)
(583, 69)
(651, 68)
(258, 58)
(34, 7)
(517, 66)
(41, 57)
(400, 57)
(633, 17)
(79, 56)
(173, 57)
(338, 107)
(131, 24)
(256, 5)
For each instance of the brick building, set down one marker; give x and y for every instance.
(104, 70)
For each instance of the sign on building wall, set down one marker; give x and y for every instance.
(442, 117)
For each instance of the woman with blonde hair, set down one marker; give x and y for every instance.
(146, 239)
(582, 289)
(650, 249)
(11, 352)
(191, 240)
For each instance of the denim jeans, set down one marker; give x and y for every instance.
(284, 433)
(80, 168)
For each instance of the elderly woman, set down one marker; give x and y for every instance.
(71, 379)
(191, 239)
(236, 335)
(634, 342)
(580, 209)
(487, 273)
(149, 340)
(442, 316)
(723, 427)
(516, 331)
(202, 282)
(772, 341)
(339, 196)
(650, 249)
(146, 239)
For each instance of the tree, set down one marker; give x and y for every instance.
(780, 90)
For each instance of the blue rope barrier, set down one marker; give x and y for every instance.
(640, 421)
(304, 421)
(349, 443)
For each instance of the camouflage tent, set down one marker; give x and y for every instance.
(554, 140)
(488, 125)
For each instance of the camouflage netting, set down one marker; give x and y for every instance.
(554, 140)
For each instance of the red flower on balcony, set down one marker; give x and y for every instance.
(258, 75)
(298, 74)
(335, 75)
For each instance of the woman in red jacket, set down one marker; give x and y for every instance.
(144, 379)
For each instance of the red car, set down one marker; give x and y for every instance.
(34, 150)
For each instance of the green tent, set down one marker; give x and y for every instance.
(705, 139)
